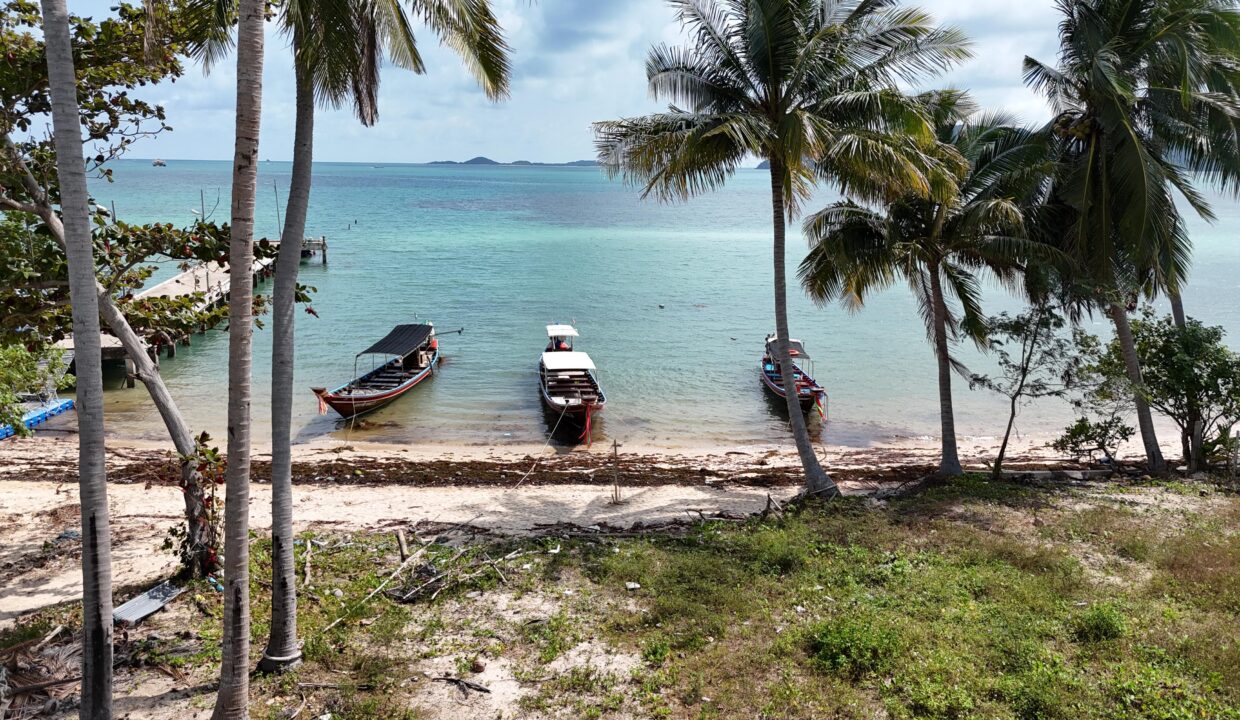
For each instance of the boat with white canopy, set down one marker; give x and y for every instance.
(568, 380)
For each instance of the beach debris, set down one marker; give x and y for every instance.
(146, 604)
(463, 685)
(632, 586)
(554, 551)
(35, 679)
(70, 534)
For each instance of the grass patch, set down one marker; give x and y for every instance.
(950, 605)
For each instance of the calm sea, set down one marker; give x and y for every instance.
(672, 301)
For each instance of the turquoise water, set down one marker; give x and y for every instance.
(672, 301)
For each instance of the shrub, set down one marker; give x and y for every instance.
(851, 645)
(656, 650)
(1103, 621)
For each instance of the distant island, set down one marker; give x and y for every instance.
(480, 160)
(764, 165)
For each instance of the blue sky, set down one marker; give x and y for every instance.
(575, 61)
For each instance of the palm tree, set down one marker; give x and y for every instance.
(940, 248)
(807, 85)
(1144, 93)
(92, 475)
(232, 701)
(338, 48)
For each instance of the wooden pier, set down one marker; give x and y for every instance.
(212, 280)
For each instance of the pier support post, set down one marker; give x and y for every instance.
(172, 349)
(131, 372)
(324, 239)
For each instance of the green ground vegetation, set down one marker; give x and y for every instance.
(979, 599)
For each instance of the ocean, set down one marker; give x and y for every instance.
(672, 301)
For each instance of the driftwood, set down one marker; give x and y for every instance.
(333, 686)
(403, 545)
(421, 551)
(445, 579)
(464, 685)
(305, 581)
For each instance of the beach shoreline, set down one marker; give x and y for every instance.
(59, 442)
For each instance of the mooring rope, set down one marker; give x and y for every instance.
(546, 445)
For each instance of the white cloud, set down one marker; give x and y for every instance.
(574, 61)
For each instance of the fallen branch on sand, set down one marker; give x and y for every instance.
(464, 685)
(420, 552)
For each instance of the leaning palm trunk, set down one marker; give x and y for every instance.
(282, 648)
(92, 476)
(949, 463)
(232, 701)
(817, 482)
(1123, 333)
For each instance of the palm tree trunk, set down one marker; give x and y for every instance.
(1177, 309)
(949, 462)
(96, 699)
(1193, 440)
(1123, 332)
(282, 650)
(232, 701)
(817, 482)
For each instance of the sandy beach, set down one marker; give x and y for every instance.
(359, 486)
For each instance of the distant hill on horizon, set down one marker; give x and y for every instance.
(764, 165)
(481, 160)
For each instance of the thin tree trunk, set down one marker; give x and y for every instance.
(1123, 332)
(203, 545)
(1192, 438)
(232, 702)
(282, 650)
(1028, 347)
(949, 461)
(96, 700)
(201, 535)
(817, 481)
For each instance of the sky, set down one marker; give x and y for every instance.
(574, 62)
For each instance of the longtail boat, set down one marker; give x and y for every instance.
(409, 353)
(809, 393)
(567, 380)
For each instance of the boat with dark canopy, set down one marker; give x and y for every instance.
(809, 393)
(409, 354)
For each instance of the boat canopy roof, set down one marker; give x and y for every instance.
(796, 348)
(403, 340)
(567, 361)
(561, 331)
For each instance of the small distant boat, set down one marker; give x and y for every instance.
(158, 163)
(567, 379)
(411, 353)
(809, 393)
